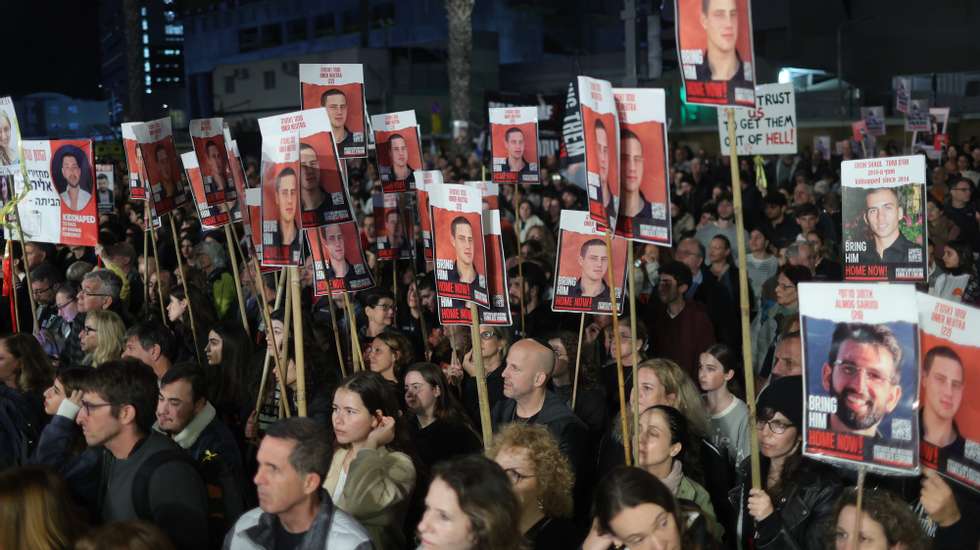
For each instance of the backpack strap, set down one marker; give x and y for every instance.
(141, 481)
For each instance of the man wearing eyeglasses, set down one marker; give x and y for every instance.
(961, 211)
(883, 210)
(863, 374)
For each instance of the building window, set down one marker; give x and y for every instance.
(248, 39)
(269, 79)
(271, 36)
(324, 25)
(296, 30)
(174, 30)
(382, 15)
(351, 22)
(229, 84)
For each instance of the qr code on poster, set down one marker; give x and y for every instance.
(658, 211)
(915, 254)
(902, 429)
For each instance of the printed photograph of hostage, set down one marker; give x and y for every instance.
(338, 259)
(714, 40)
(284, 245)
(334, 101)
(464, 241)
(72, 177)
(217, 172)
(942, 393)
(593, 260)
(883, 213)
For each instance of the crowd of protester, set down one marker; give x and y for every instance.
(141, 412)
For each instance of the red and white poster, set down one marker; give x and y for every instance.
(932, 142)
(949, 408)
(237, 176)
(601, 125)
(208, 138)
(323, 187)
(917, 117)
(424, 179)
(644, 197)
(160, 163)
(211, 216)
(134, 162)
(253, 204)
(339, 91)
(105, 187)
(489, 193)
(861, 375)
(399, 149)
(391, 237)
(456, 312)
(581, 268)
(60, 207)
(874, 119)
(715, 51)
(339, 264)
(460, 258)
(514, 145)
(903, 93)
(282, 235)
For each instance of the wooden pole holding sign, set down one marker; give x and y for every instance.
(156, 256)
(855, 542)
(238, 283)
(147, 227)
(578, 359)
(356, 357)
(297, 307)
(623, 412)
(520, 260)
(270, 352)
(634, 358)
(183, 282)
(481, 378)
(336, 331)
(743, 296)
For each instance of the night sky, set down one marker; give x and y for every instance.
(50, 46)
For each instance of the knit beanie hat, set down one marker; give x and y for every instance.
(784, 395)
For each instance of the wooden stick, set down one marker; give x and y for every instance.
(238, 283)
(619, 360)
(481, 378)
(148, 226)
(855, 541)
(578, 359)
(156, 260)
(298, 341)
(27, 275)
(634, 358)
(270, 351)
(357, 357)
(743, 288)
(282, 367)
(520, 260)
(13, 284)
(183, 282)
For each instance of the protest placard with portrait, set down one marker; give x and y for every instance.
(339, 264)
(282, 234)
(601, 123)
(514, 145)
(338, 90)
(399, 150)
(458, 243)
(581, 276)
(715, 51)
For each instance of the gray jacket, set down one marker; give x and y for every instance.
(332, 529)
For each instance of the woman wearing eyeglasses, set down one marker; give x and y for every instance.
(542, 479)
(439, 427)
(795, 506)
(494, 343)
(102, 337)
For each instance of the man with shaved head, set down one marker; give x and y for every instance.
(530, 364)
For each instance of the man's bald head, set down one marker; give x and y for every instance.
(529, 366)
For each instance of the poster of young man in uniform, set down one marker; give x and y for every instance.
(601, 123)
(60, 208)
(917, 118)
(211, 216)
(644, 208)
(339, 264)
(159, 154)
(514, 145)
(861, 374)
(456, 312)
(134, 162)
(884, 219)
(282, 236)
(399, 150)
(208, 138)
(949, 418)
(581, 276)
(903, 93)
(874, 119)
(323, 189)
(105, 187)
(714, 45)
(338, 90)
(424, 179)
(460, 258)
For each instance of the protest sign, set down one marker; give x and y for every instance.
(239, 212)
(105, 187)
(9, 147)
(861, 375)
(933, 141)
(458, 244)
(859, 130)
(874, 119)
(339, 264)
(253, 204)
(282, 236)
(134, 162)
(582, 264)
(514, 145)
(903, 93)
(390, 239)
(917, 118)
(489, 193)
(59, 208)
(159, 154)
(211, 216)
(769, 129)
(601, 124)
(821, 144)
(884, 219)
(950, 412)
(863, 138)
(338, 90)
(323, 190)
(644, 208)
(572, 151)
(715, 51)
(456, 312)
(208, 138)
(399, 150)
(424, 179)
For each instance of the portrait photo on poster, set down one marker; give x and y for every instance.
(339, 264)
(601, 127)
(715, 49)
(71, 173)
(581, 270)
(207, 136)
(514, 145)
(9, 135)
(459, 254)
(210, 216)
(398, 148)
(282, 236)
(339, 91)
(457, 312)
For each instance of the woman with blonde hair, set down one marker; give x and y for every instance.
(102, 337)
(542, 479)
(36, 511)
